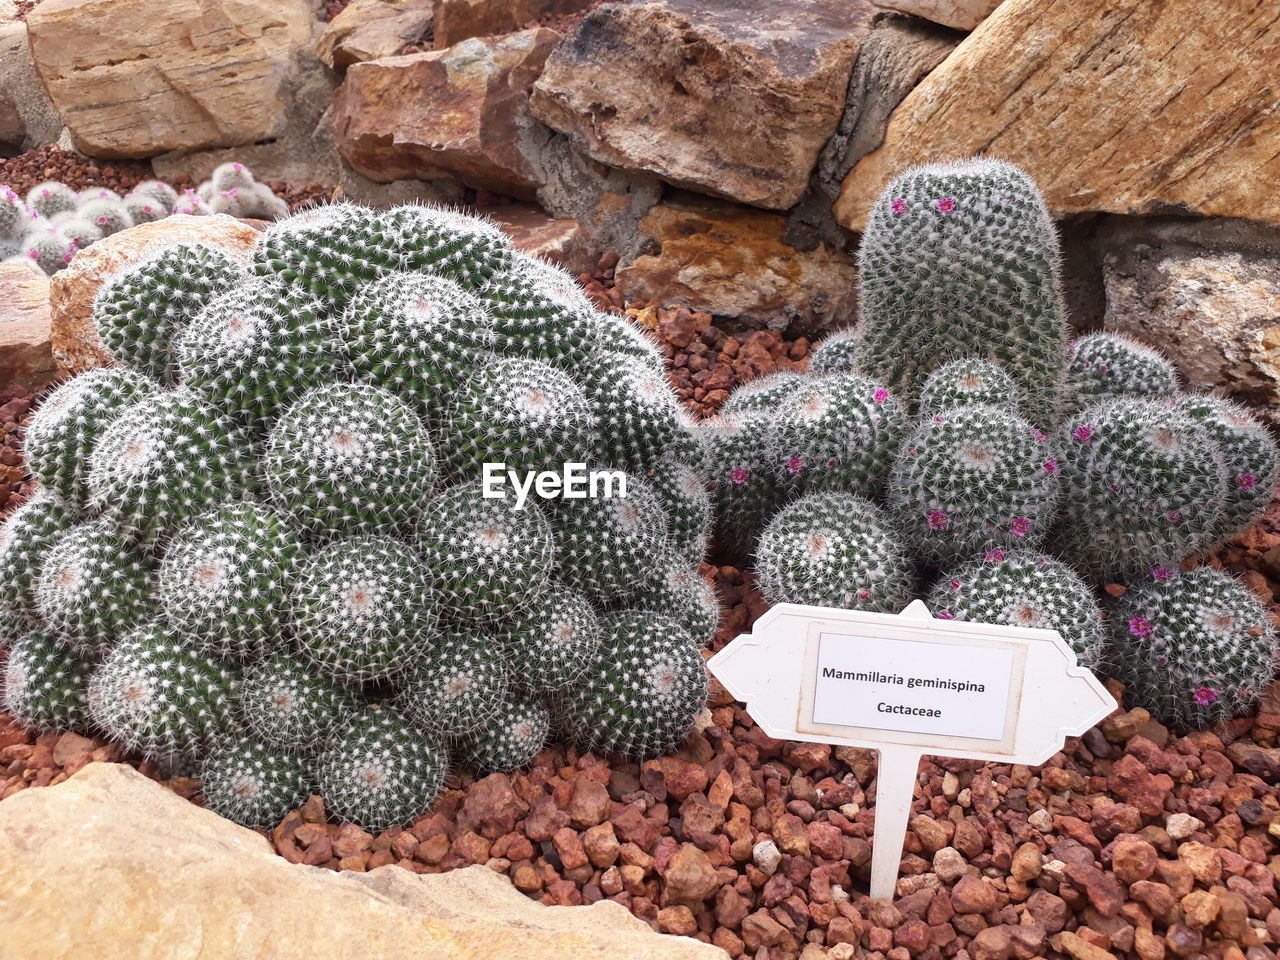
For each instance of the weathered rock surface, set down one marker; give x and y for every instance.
(145, 874)
(20, 87)
(76, 346)
(370, 29)
(1138, 108)
(533, 231)
(458, 20)
(897, 53)
(713, 97)
(135, 80)
(731, 261)
(26, 357)
(960, 14)
(463, 111)
(1205, 292)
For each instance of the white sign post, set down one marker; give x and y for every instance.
(908, 685)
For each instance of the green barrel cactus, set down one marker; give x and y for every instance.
(764, 394)
(511, 738)
(837, 353)
(457, 686)
(550, 642)
(26, 535)
(1107, 366)
(745, 491)
(964, 382)
(46, 683)
(285, 706)
(252, 784)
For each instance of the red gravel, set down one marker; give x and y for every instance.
(16, 403)
(23, 172)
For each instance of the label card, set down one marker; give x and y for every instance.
(908, 685)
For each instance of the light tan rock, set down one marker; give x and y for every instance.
(111, 865)
(731, 261)
(714, 97)
(461, 111)
(26, 357)
(137, 79)
(370, 29)
(533, 231)
(1207, 293)
(960, 14)
(20, 86)
(458, 20)
(76, 346)
(1135, 107)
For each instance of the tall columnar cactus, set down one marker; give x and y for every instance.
(46, 683)
(1250, 455)
(1193, 648)
(959, 383)
(224, 577)
(538, 310)
(158, 696)
(519, 412)
(92, 586)
(512, 737)
(604, 543)
(25, 537)
(551, 641)
(362, 609)
(416, 335)
(836, 433)
(252, 784)
(483, 556)
(682, 488)
(973, 478)
(457, 686)
(139, 311)
(284, 705)
(1023, 588)
(961, 260)
(641, 423)
(765, 393)
(833, 550)
(676, 590)
(642, 691)
(254, 349)
(166, 458)
(1106, 366)
(837, 353)
(65, 428)
(350, 458)
(744, 489)
(380, 771)
(1143, 485)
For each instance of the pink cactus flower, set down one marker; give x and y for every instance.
(1020, 526)
(1083, 433)
(1175, 516)
(795, 465)
(739, 476)
(1247, 481)
(832, 462)
(1103, 368)
(1051, 465)
(946, 204)
(881, 395)
(1039, 435)
(938, 519)
(1205, 696)
(994, 556)
(953, 584)
(1139, 626)
(945, 615)
(864, 594)
(1161, 574)
(898, 206)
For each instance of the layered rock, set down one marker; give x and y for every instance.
(76, 346)
(370, 29)
(146, 875)
(959, 14)
(1137, 108)
(463, 111)
(26, 358)
(458, 20)
(32, 120)
(731, 261)
(1207, 293)
(135, 80)
(713, 97)
(559, 241)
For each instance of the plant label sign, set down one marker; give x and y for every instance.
(908, 685)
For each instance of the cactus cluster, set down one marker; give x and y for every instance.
(48, 226)
(956, 439)
(263, 545)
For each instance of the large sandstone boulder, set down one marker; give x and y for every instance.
(1135, 107)
(32, 120)
(26, 357)
(137, 79)
(370, 29)
(76, 346)
(731, 261)
(1205, 292)
(463, 111)
(458, 20)
(111, 865)
(713, 97)
(960, 14)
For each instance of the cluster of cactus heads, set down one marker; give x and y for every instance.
(48, 226)
(263, 546)
(956, 439)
